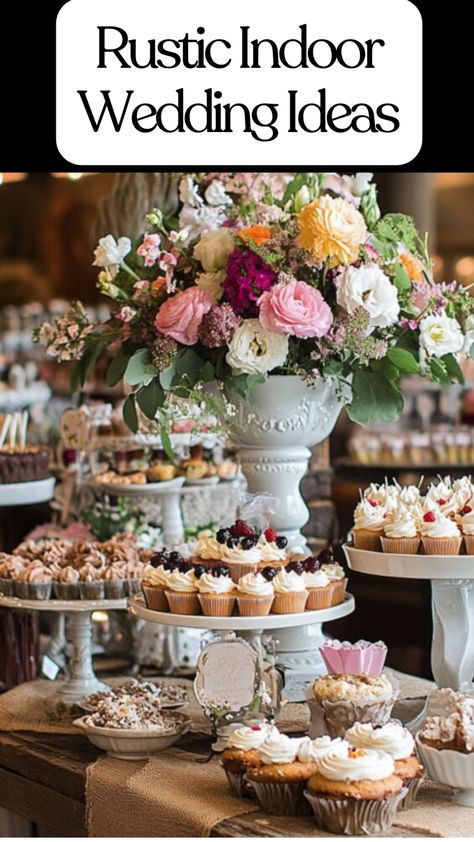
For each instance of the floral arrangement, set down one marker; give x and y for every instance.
(262, 274)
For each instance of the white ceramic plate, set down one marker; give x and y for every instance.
(132, 744)
(410, 566)
(24, 493)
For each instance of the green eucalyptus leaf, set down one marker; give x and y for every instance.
(438, 371)
(453, 368)
(404, 360)
(166, 377)
(188, 362)
(167, 446)
(139, 368)
(207, 373)
(116, 369)
(130, 413)
(150, 398)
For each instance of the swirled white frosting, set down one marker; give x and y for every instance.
(318, 579)
(157, 575)
(400, 524)
(464, 490)
(285, 582)
(278, 748)
(311, 750)
(362, 765)
(215, 584)
(247, 737)
(442, 527)
(392, 738)
(251, 556)
(333, 571)
(254, 584)
(386, 496)
(269, 551)
(409, 495)
(209, 548)
(466, 522)
(369, 517)
(185, 582)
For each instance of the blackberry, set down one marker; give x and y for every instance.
(269, 573)
(222, 535)
(281, 542)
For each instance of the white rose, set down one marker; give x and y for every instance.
(370, 288)
(109, 252)
(360, 182)
(214, 248)
(211, 282)
(440, 335)
(255, 350)
(199, 220)
(188, 193)
(215, 194)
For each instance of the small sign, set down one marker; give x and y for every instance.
(49, 668)
(227, 677)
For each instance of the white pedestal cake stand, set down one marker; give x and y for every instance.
(81, 679)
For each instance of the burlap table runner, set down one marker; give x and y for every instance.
(35, 706)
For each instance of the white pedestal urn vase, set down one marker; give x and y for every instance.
(273, 432)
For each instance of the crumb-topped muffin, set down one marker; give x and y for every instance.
(338, 701)
(353, 688)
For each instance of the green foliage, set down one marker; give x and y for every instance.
(139, 368)
(374, 398)
(150, 398)
(403, 360)
(116, 369)
(130, 413)
(402, 281)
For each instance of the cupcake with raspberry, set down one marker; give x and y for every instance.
(439, 534)
(290, 590)
(235, 546)
(182, 590)
(401, 532)
(317, 583)
(355, 794)
(395, 740)
(255, 593)
(369, 522)
(216, 590)
(242, 754)
(273, 548)
(465, 521)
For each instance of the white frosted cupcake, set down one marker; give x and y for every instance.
(182, 591)
(242, 753)
(401, 532)
(336, 575)
(279, 780)
(154, 584)
(216, 592)
(320, 590)
(439, 534)
(290, 593)
(465, 520)
(369, 522)
(255, 595)
(312, 750)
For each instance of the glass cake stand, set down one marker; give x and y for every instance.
(80, 680)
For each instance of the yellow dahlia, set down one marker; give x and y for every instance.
(331, 228)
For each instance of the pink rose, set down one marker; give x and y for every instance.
(296, 309)
(181, 315)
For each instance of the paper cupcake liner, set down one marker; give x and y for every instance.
(92, 590)
(66, 590)
(254, 606)
(412, 788)
(155, 598)
(239, 786)
(183, 603)
(289, 603)
(319, 598)
(353, 658)
(401, 546)
(216, 606)
(338, 591)
(334, 718)
(441, 546)
(115, 588)
(354, 817)
(7, 587)
(366, 540)
(281, 799)
(132, 586)
(469, 542)
(33, 590)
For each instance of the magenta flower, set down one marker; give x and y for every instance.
(248, 276)
(218, 326)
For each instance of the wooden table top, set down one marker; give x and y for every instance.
(42, 778)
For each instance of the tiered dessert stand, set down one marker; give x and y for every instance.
(26, 493)
(452, 593)
(80, 679)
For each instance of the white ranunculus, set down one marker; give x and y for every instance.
(214, 248)
(255, 350)
(360, 182)
(111, 252)
(370, 288)
(440, 335)
(215, 194)
(199, 220)
(188, 193)
(211, 282)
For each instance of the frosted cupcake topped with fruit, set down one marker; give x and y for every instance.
(290, 589)
(465, 521)
(369, 522)
(439, 533)
(242, 548)
(401, 531)
(386, 496)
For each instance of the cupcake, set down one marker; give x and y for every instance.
(439, 534)
(115, 581)
(290, 592)
(280, 779)
(133, 577)
(216, 591)
(369, 521)
(34, 582)
(355, 794)
(235, 546)
(66, 585)
(10, 568)
(255, 593)
(91, 584)
(241, 754)
(338, 701)
(465, 520)
(336, 575)
(318, 585)
(310, 751)
(273, 548)
(400, 532)
(395, 740)
(182, 590)
(156, 579)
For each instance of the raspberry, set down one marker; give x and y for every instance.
(271, 534)
(372, 503)
(429, 517)
(255, 728)
(241, 529)
(442, 501)
(466, 510)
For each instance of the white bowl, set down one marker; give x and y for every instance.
(133, 744)
(450, 767)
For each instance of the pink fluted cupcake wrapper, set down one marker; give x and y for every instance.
(354, 659)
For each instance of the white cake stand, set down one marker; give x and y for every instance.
(452, 592)
(81, 679)
(26, 493)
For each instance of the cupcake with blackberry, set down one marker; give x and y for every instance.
(317, 583)
(290, 589)
(216, 590)
(335, 573)
(273, 548)
(255, 592)
(156, 579)
(182, 590)
(235, 546)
